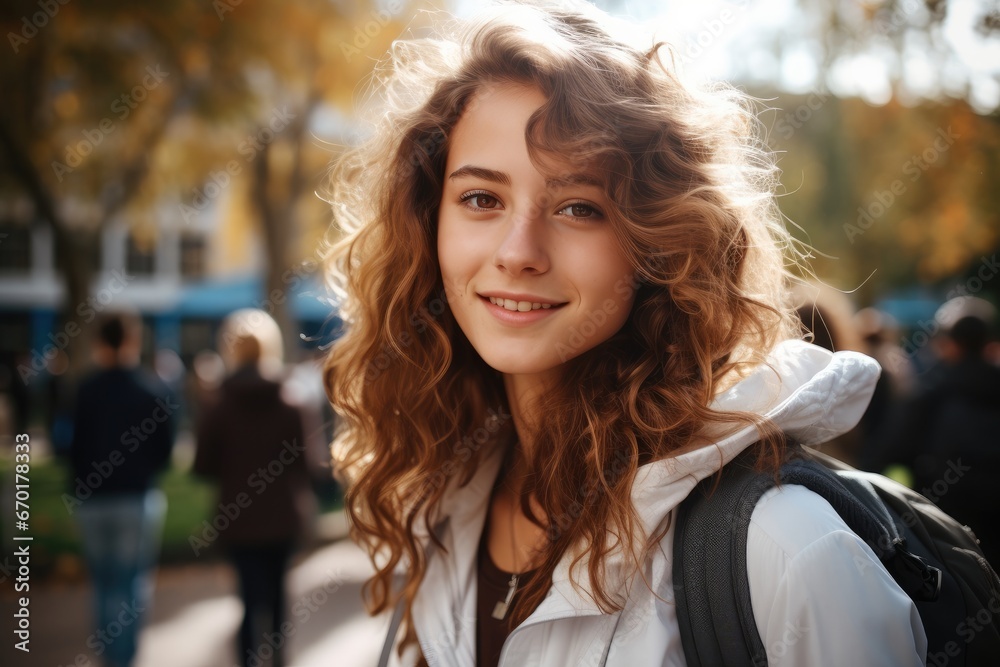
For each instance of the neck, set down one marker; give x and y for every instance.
(516, 542)
(522, 394)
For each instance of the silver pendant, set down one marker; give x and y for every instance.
(500, 609)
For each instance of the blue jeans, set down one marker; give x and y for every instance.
(121, 543)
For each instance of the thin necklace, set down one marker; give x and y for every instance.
(501, 607)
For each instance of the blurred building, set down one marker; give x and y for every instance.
(183, 282)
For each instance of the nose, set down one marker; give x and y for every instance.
(523, 246)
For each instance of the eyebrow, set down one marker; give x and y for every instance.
(503, 178)
(491, 175)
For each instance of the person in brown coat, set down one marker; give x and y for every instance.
(251, 441)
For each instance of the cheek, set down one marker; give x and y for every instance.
(612, 287)
(617, 306)
(456, 257)
(604, 273)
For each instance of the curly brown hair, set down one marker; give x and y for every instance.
(691, 188)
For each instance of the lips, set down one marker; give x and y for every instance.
(519, 309)
(521, 306)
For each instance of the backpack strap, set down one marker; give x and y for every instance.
(711, 586)
(390, 636)
(868, 518)
(400, 610)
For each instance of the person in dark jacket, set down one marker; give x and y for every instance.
(251, 441)
(948, 433)
(123, 433)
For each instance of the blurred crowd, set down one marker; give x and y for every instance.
(255, 429)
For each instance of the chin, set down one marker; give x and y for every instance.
(520, 364)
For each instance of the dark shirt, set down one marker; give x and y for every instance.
(492, 586)
(123, 431)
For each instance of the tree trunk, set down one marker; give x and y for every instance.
(279, 224)
(73, 253)
(277, 231)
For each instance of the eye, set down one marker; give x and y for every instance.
(580, 210)
(479, 200)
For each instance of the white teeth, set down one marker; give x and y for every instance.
(520, 306)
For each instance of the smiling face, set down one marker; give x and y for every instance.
(533, 272)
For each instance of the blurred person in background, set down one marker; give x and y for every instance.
(251, 440)
(879, 330)
(948, 433)
(14, 394)
(59, 403)
(123, 432)
(208, 370)
(303, 387)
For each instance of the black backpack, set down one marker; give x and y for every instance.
(932, 557)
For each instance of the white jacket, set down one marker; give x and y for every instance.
(820, 596)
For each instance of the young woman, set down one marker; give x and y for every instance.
(563, 274)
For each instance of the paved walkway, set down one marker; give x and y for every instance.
(196, 613)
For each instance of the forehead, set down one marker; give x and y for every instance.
(495, 110)
(504, 93)
(492, 127)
